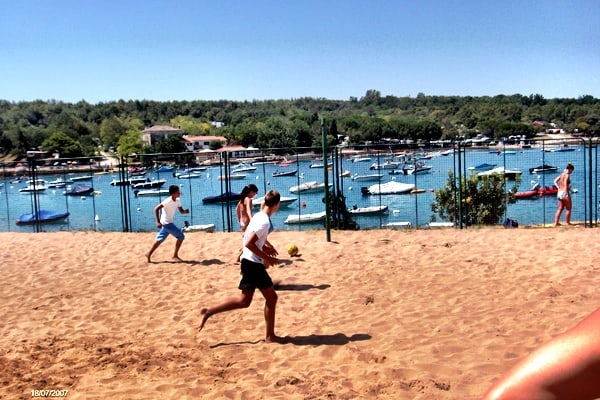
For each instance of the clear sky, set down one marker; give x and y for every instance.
(105, 50)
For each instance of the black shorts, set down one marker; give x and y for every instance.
(254, 275)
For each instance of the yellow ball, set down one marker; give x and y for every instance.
(292, 250)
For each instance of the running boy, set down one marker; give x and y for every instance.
(164, 221)
(257, 255)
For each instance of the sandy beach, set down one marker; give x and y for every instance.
(426, 314)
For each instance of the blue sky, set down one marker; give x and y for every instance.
(105, 50)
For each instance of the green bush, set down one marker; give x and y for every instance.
(483, 200)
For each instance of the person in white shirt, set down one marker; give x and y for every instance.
(164, 221)
(257, 255)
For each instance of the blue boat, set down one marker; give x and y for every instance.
(79, 190)
(222, 198)
(165, 168)
(482, 167)
(43, 216)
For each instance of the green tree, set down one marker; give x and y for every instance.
(111, 129)
(60, 142)
(479, 201)
(130, 143)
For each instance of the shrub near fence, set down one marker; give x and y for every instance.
(111, 207)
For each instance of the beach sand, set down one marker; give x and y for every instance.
(426, 314)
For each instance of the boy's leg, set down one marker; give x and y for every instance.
(233, 303)
(270, 305)
(154, 247)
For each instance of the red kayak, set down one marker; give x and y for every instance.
(528, 194)
(548, 191)
(537, 191)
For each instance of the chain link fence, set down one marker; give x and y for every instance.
(120, 193)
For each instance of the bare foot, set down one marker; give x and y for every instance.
(148, 257)
(177, 258)
(557, 224)
(275, 339)
(205, 316)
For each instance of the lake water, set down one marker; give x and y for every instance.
(103, 211)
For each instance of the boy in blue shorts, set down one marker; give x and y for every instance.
(164, 221)
(257, 255)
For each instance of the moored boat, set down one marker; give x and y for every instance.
(370, 210)
(232, 177)
(285, 173)
(222, 198)
(80, 178)
(367, 177)
(482, 167)
(283, 201)
(78, 190)
(308, 187)
(305, 218)
(510, 174)
(392, 187)
(158, 183)
(43, 216)
(243, 167)
(198, 228)
(541, 169)
(151, 192)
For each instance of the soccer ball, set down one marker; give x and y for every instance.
(292, 250)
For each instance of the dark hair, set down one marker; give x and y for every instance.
(173, 189)
(272, 198)
(570, 166)
(246, 191)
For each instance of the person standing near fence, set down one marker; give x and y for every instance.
(244, 206)
(243, 209)
(563, 183)
(164, 221)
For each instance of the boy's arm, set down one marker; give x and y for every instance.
(157, 214)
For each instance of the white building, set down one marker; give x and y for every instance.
(157, 133)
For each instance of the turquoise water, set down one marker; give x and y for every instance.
(103, 211)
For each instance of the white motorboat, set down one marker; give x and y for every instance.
(198, 228)
(80, 178)
(370, 210)
(510, 174)
(360, 159)
(149, 184)
(398, 224)
(305, 218)
(320, 165)
(130, 181)
(308, 187)
(232, 177)
(243, 167)
(58, 183)
(151, 192)
(33, 188)
(418, 169)
(283, 201)
(389, 164)
(367, 177)
(392, 187)
(189, 175)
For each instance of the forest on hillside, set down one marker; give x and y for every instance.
(80, 129)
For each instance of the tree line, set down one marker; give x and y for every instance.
(80, 129)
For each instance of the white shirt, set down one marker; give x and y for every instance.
(261, 225)
(167, 215)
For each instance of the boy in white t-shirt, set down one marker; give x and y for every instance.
(257, 255)
(164, 221)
